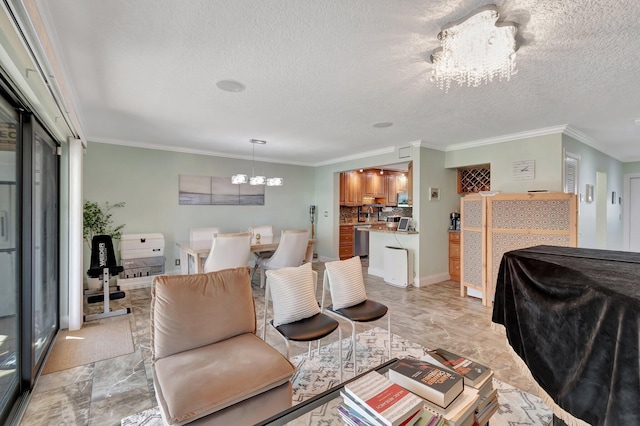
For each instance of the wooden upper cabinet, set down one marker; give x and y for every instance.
(373, 184)
(355, 189)
(350, 189)
(401, 182)
(391, 187)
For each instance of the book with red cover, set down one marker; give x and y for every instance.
(388, 403)
(434, 383)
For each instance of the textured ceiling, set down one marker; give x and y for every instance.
(319, 74)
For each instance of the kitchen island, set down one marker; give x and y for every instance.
(380, 237)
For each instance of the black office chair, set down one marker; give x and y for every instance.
(103, 266)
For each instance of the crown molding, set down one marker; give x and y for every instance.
(423, 144)
(588, 140)
(388, 150)
(146, 145)
(508, 138)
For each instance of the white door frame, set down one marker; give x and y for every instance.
(626, 198)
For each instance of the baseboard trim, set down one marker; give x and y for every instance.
(432, 279)
(132, 283)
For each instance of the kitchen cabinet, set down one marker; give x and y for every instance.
(401, 182)
(345, 249)
(391, 188)
(373, 184)
(350, 189)
(454, 256)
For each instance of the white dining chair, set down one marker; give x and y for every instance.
(228, 251)
(291, 251)
(264, 231)
(201, 234)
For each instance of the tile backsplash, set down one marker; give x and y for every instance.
(350, 214)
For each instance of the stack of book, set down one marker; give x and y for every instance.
(375, 400)
(442, 389)
(476, 376)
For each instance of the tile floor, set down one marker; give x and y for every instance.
(104, 392)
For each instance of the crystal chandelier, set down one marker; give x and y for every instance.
(475, 50)
(256, 180)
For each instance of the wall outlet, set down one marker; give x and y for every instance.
(177, 262)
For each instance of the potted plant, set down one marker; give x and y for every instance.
(98, 220)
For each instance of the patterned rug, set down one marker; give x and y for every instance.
(318, 374)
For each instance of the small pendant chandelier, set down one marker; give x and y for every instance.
(256, 180)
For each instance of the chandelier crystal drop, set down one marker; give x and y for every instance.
(256, 180)
(475, 51)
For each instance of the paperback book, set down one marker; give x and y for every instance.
(474, 373)
(432, 382)
(461, 408)
(364, 415)
(381, 400)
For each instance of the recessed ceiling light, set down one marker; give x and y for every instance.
(637, 121)
(230, 86)
(383, 124)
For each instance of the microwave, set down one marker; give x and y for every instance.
(403, 199)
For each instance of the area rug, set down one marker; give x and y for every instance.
(319, 373)
(89, 344)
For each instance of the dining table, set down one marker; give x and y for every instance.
(199, 250)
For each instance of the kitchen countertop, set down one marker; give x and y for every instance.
(387, 231)
(355, 222)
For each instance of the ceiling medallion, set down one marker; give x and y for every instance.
(475, 50)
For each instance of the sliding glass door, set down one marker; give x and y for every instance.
(9, 250)
(44, 298)
(29, 251)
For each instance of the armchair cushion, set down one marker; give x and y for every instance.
(292, 293)
(195, 383)
(346, 282)
(191, 311)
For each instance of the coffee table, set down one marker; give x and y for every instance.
(325, 402)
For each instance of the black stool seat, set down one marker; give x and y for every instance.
(308, 329)
(97, 272)
(362, 312)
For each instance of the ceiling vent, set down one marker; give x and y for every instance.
(404, 152)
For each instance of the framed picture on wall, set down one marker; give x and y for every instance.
(434, 194)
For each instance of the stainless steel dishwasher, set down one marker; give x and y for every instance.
(360, 241)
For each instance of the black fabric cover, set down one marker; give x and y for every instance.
(573, 316)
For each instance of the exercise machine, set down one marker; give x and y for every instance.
(103, 266)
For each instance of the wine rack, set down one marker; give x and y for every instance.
(474, 179)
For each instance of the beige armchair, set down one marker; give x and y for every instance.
(208, 364)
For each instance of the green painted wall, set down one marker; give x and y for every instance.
(631, 167)
(591, 161)
(147, 181)
(433, 219)
(546, 151)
